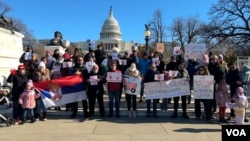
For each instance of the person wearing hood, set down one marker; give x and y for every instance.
(245, 79)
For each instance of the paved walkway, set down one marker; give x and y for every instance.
(62, 128)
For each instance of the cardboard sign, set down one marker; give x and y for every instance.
(123, 62)
(172, 73)
(177, 51)
(93, 80)
(132, 85)
(28, 56)
(114, 77)
(159, 77)
(156, 61)
(160, 47)
(195, 51)
(203, 86)
(167, 89)
(67, 64)
(114, 56)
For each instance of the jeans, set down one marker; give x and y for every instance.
(25, 111)
(114, 95)
(164, 104)
(17, 110)
(40, 106)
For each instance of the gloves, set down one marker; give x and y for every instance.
(13, 72)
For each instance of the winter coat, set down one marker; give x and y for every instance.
(222, 97)
(27, 99)
(19, 82)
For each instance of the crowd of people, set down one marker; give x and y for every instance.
(97, 63)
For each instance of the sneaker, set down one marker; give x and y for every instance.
(16, 123)
(44, 119)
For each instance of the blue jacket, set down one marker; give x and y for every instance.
(143, 66)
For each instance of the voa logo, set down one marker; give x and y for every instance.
(236, 132)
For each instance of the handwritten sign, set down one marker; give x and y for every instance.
(132, 85)
(167, 89)
(89, 65)
(203, 87)
(114, 77)
(195, 51)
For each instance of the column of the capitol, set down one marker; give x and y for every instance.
(11, 49)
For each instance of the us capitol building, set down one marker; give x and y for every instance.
(110, 36)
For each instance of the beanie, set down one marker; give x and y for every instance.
(41, 64)
(30, 83)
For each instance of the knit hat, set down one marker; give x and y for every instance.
(41, 64)
(115, 49)
(21, 66)
(179, 62)
(30, 83)
(220, 56)
(239, 90)
(132, 67)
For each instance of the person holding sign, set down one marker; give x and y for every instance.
(182, 73)
(113, 86)
(95, 88)
(150, 77)
(133, 72)
(206, 102)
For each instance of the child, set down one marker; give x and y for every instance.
(241, 103)
(27, 100)
(164, 104)
(222, 96)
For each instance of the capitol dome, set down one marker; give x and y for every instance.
(110, 28)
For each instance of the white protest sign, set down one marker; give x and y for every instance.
(203, 86)
(114, 56)
(114, 77)
(93, 80)
(167, 89)
(172, 73)
(159, 77)
(194, 51)
(177, 51)
(132, 85)
(27, 56)
(67, 64)
(122, 61)
(156, 61)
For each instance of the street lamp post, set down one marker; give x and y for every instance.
(147, 35)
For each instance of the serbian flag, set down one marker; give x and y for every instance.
(62, 90)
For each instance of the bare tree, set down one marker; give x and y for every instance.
(29, 39)
(230, 20)
(157, 27)
(185, 30)
(4, 8)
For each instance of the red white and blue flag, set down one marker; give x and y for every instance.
(62, 90)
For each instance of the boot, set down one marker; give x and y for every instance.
(185, 115)
(37, 116)
(130, 114)
(44, 116)
(134, 114)
(23, 121)
(32, 119)
(174, 114)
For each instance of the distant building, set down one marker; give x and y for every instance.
(110, 36)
